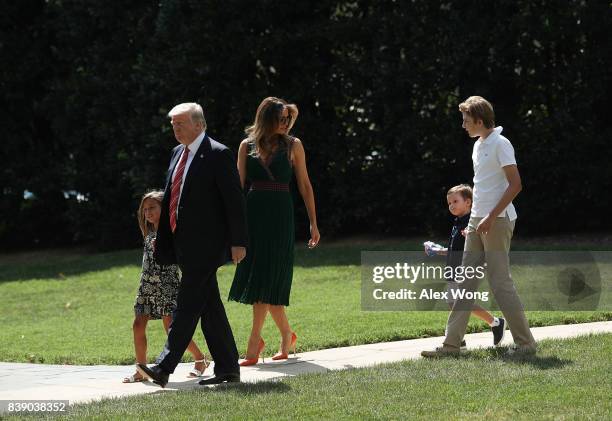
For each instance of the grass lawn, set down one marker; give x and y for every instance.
(76, 308)
(566, 380)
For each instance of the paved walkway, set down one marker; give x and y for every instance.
(20, 381)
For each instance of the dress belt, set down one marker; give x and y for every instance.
(269, 186)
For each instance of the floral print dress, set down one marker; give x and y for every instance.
(159, 285)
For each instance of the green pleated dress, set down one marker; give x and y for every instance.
(265, 274)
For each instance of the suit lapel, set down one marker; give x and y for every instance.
(175, 157)
(196, 163)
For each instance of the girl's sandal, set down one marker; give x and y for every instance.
(134, 378)
(195, 373)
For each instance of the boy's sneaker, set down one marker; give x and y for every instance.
(463, 346)
(499, 331)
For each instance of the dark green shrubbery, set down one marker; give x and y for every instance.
(86, 86)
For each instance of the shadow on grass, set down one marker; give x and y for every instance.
(329, 256)
(534, 360)
(69, 262)
(61, 265)
(346, 254)
(262, 387)
(269, 386)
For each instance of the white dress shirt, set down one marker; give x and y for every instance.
(192, 149)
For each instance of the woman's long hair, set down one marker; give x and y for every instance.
(261, 132)
(147, 227)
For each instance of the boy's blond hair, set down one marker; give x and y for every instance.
(465, 190)
(479, 108)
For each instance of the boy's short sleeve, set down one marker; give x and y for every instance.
(505, 153)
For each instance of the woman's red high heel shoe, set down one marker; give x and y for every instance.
(253, 361)
(283, 355)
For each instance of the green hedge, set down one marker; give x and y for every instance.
(86, 86)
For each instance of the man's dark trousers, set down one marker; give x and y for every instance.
(199, 299)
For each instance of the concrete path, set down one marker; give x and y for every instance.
(19, 381)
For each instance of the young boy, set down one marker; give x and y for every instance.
(459, 200)
(490, 228)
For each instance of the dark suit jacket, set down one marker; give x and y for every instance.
(211, 213)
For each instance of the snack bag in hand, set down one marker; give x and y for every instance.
(431, 248)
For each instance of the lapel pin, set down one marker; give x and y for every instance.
(202, 156)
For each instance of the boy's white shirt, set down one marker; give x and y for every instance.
(489, 157)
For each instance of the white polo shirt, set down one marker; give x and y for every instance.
(489, 156)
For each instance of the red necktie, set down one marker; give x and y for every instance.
(176, 188)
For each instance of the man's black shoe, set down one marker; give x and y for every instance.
(499, 331)
(222, 378)
(155, 373)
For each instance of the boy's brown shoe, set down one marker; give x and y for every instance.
(521, 351)
(441, 351)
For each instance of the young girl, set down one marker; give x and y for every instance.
(158, 289)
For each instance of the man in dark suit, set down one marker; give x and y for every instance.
(202, 223)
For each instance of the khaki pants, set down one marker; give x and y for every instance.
(491, 248)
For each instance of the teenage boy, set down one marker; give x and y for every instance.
(496, 183)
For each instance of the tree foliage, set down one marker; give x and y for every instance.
(86, 87)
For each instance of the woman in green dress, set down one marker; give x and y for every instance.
(267, 159)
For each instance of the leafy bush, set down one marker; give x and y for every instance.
(88, 85)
